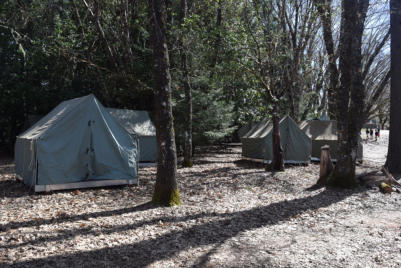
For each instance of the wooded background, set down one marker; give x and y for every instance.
(238, 58)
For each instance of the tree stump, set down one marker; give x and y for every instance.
(326, 166)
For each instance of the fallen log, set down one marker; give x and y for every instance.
(390, 177)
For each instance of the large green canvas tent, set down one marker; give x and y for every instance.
(138, 123)
(257, 143)
(324, 132)
(78, 144)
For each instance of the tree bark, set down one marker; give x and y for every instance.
(217, 40)
(351, 94)
(324, 9)
(187, 89)
(326, 166)
(166, 188)
(278, 161)
(393, 162)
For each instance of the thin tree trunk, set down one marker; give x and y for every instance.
(324, 9)
(187, 89)
(383, 124)
(169, 36)
(376, 96)
(351, 93)
(217, 40)
(393, 162)
(278, 161)
(129, 58)
(95, 13)
(166, 188)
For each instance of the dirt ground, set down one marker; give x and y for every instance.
(375, 151)
(234, 214)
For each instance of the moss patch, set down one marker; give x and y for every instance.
(187, 163)
(342, 180)
(385, 188)
(269, 167)
(166, 197)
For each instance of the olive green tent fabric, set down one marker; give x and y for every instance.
(138, 123)
(253, 141)
(244, 129)
(257, 143)
(324, 132)
(77, 141)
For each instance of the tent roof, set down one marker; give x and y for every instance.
(260, 130)
(320, 129)
(263, 128)
(135, 122)
(55, 116)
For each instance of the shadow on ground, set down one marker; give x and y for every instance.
(248, 164)
(215, 232)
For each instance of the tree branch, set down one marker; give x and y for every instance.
(374, 55)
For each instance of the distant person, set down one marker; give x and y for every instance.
(376, 134)
(371, 133)
(367, 134)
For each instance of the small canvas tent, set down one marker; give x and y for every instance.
(78, 144)
(138, 123)
(324, 132)
(257, 143)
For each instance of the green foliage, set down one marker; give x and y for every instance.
(212, 115)
(52, 51)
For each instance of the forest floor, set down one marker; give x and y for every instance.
(234, 214)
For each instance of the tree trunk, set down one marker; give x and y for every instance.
(278, 161)
(326, 166)
(351, 94)
(324, 9)
(393, 162)
(217, 40)
(294, 99)
(382, 122)
(187, 89)
(166, 188)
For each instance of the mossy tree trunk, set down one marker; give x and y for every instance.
(187, 88)
(350, 96)
(393, 162)
(166, 188)
(278, 161)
